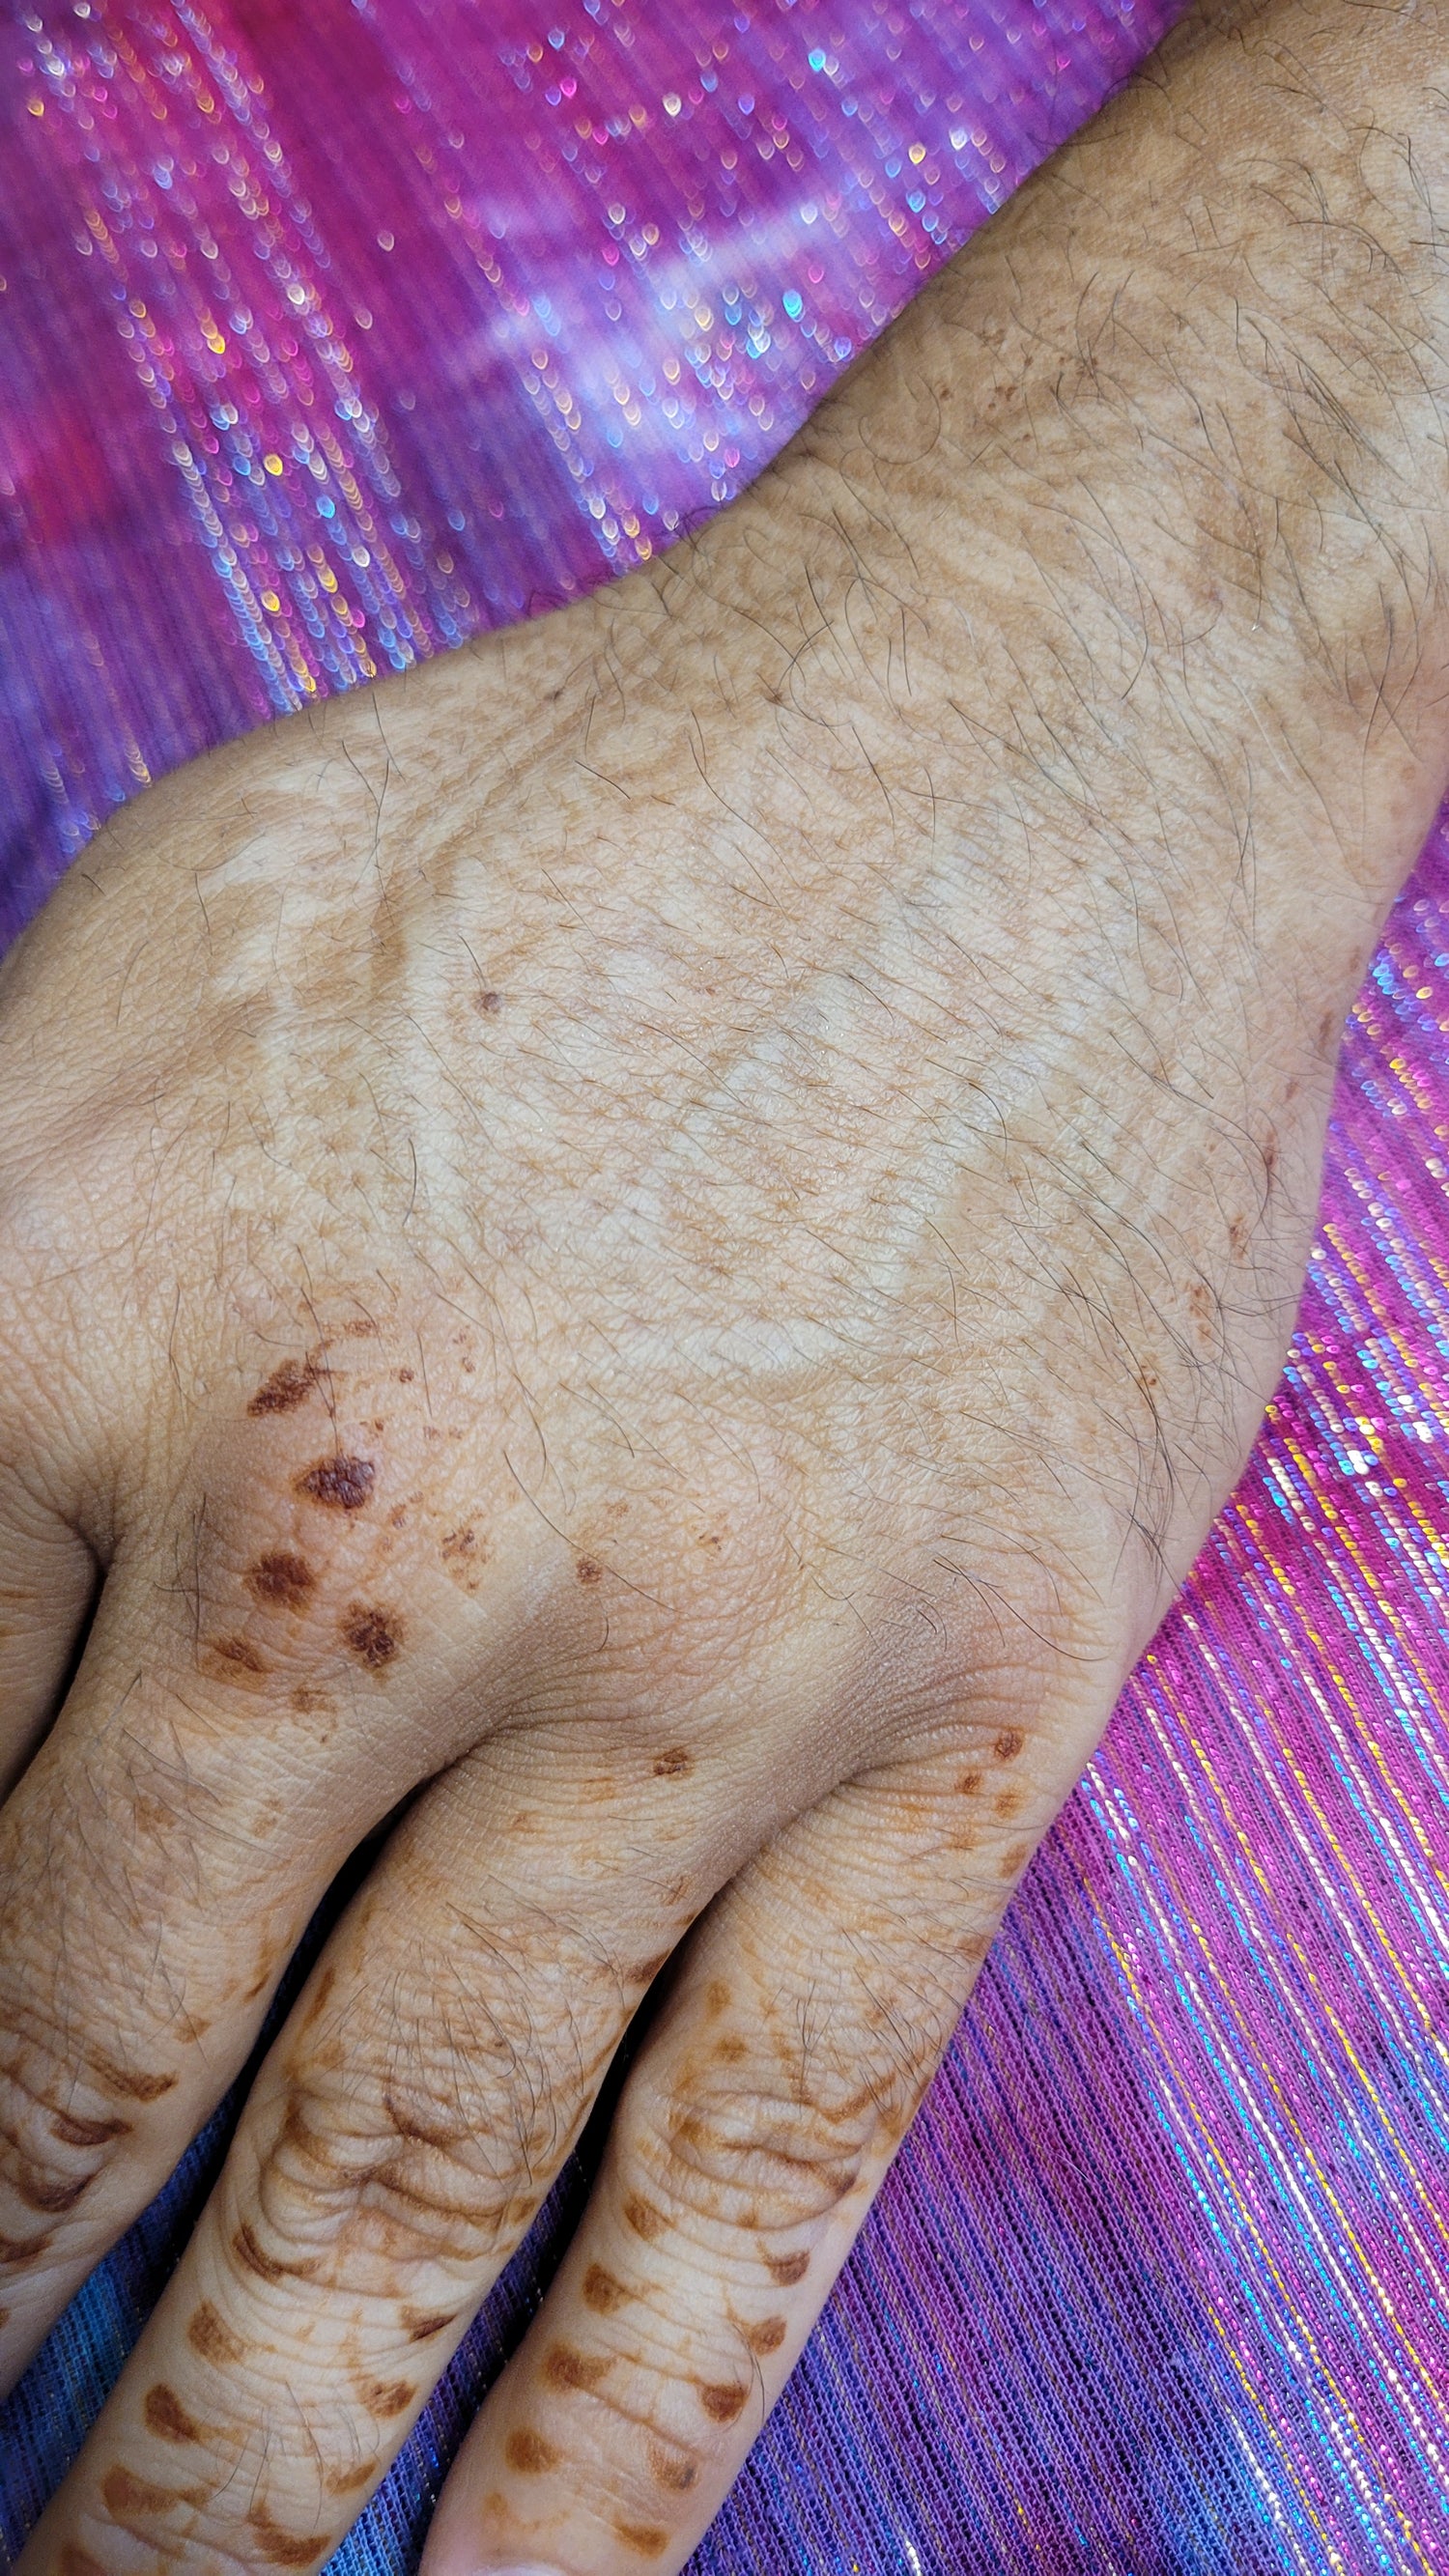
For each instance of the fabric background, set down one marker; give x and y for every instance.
(331, 332)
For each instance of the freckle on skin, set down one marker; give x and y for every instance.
(767, 2336)
(286, 1388)
(676, 1764)
(528, 2452)
(646, 2222)
(787, 2269)
(212, 2338)
(648, 1969)
(166, 2417)
(722, 2404)
(602, 2292)
(339, 1484)
(565, 2368)
(646, 2537)
(490, 1002)
(280, 1580)
(731, 2052)
(405, 1376)
(1009, 1743)
(372, 1635)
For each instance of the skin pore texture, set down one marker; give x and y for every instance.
(661, 1239)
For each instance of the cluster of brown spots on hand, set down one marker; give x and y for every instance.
(25, 2249)
(266, 2266)
(341, 2482)
(767, 2336)
(588, 1569)
(285, 2548)
(385, 2397)
(464, 1556)
(372, 1635)
(676, 1764)
(602, 2292)
(564, 2367)
(1009, 1744)
(672, 2469)
(133, 2087)
(722, 2403)
(422, 2324)
(166, 2417)
(529, 2453)
(787, 2269)
(286, 1388)
(645, 2537)
(124, 2493)
(1010, 1803)
(280, 1580)
(87, 2133)
(340, 1484)
(208, 2334)
(642, 2217)
(1014, 1859)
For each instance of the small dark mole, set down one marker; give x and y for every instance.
(587, 1570)
(767, 2336)
(283, 2548)
(676, 1764)
(370, 1635)
(602, 2292)
(280, 1580)
(136, 2088)
(88, 2133)
(787, 2269)
(26, 2249)
(165, 2416)
(722, 2405)
(238, 1651)
(341, 2482)
(1008, 1744)
(214, 2340)
(490, 1002)
(423, 2324)
(527, 2451)
(673, 2469)
(644, 2220)
(646, 2537)
(286, 1388)
(386, 2396)
(342, 1484)
(565, 2368)
(405, 1376)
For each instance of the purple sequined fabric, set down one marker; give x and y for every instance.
(331, 332)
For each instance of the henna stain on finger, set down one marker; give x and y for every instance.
(1009, 1743)
(134, 2088)
(372, 1635)
(283, 2548)
(648, 1969)
(385, 2397)
(286, 1388)
(123, 2493)
(644, 2537)
(676, 1764)
(339, 1484)
(52, 2198)
(645, 2220)
(280, 1580)
(421, 2327)
(212, 2338)
(233, 1659)
(79, 2562)
(341, 2482)
(267, 2267)
(722, 2402)
(1014, 1859)
(563, 2367)
(787, 2269)
(969, 1785)
(1010, 1803)
(672, 2469)
(87, 2133)
(164, 2415)
(767, 2336)
(529, 2453)
(602, 2292)
(588, 1570)
(26, 2249)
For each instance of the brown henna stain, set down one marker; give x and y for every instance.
(672, 2469)
(79, 2562)
(338, 1484)
(212, 2338)
(124, 2493)
(286, 1388)
(1010, 1803)
(87, 2133)
(676, 1764)
(1014, 1858)
(974, 1945)
(529, 2453)
(280, 1580)
(309, 1701)
(730, 2051)
(969, 1785)
(722, 2403)
(644, 2220)
(645, 2537)
(787, 2269)
(133, 2088)
(422, 2325)
(341, 2482)
(4, 2317)
(237, 1654)
(767, 2336)
(563, 2367)
(266, 2267)
(52, 2199)
(372, 1635)
(588, 1569)
(361, 1328)
(648, 1969)
(385, 2397)
(716, 1997)
(166, 2417)
(283, 2548)
(25, 2249)
(464, 1556)
(602, 2292)
(1009, 1744)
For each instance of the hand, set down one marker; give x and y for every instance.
(661, 1241)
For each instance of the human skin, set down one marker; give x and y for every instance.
(662, 1238)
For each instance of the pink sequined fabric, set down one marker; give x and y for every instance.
(328, 333)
